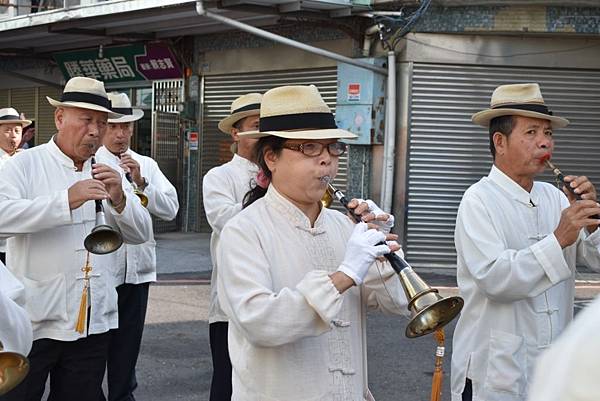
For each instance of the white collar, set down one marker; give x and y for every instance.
(65, 160)
(515, 190)
(280, 203)
(244, 163)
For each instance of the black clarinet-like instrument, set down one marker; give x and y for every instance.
(143, 197)
(561, 179)
(396, 261)
(429, 310)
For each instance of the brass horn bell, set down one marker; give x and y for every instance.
(142, 196)
(13, 369)
(103, 239)
(429, 310)
(327, 199)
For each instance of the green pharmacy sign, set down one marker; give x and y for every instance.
(137, 62)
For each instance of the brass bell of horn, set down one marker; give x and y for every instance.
(13, 369)
(429, 310)
(327, 199)
(103, 239)
(143, 197)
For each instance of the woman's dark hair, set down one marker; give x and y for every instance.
(275, 144)
(502, 124)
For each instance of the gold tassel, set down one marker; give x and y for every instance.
(82, 317)
(438, 373)
(83, 304)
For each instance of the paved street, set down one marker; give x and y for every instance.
(175, 362)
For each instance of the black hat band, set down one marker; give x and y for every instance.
(538, 108)
(288, 122)
(10, 117)
(123, 110)
(253, 106)
(86, 98)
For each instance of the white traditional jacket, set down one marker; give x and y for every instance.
(137, 263)
(15, 326)
(223, 190)
(517, 283)
(45, 248)
(3, 159)
(568, 370)
(292, 335)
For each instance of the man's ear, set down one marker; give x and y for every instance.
(234, 135)
(500, 142)
(59, 117)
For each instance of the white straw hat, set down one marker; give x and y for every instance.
(8, 115)
(518, 100)
(242, 107)
(120, 103)
(296, 112)
(85, 93)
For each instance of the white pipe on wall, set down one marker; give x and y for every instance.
(389, 144)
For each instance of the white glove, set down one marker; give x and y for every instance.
(362, 251)
(384, 226)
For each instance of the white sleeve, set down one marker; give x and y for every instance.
(15, 326)
(134, 221)
(219, 200)
(162, 195)
(19, 215)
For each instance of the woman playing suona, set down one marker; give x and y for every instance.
(296, 277)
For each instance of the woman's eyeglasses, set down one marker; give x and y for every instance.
(314, 149)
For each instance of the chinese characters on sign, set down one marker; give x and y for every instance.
(121, 63)
(105, 69)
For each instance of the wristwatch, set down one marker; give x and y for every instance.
(144, 185)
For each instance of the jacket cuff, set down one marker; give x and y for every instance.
(320, 293)
(550, 256)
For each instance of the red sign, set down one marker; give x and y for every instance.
(353, 91)
(193, 140)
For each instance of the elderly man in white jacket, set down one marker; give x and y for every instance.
(223, 189)
(136, 266)
(518, 242)
(11, 128)
(47, 208)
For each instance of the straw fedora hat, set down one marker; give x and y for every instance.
(85, 93)
(518, 100)
(8, 115)
(296, 112)
(121, 104)
(242, 107)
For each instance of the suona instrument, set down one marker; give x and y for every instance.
(429, 310)
(103, 239)
(560, 178)
(13, 369)
(143, 197)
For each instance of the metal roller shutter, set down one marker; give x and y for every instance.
(4, 98)
(221, 90)
(447, 153)
(24, 100)
(44, 125)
